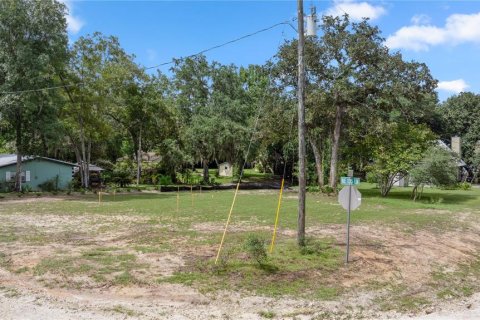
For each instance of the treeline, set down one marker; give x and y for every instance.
(367, 108)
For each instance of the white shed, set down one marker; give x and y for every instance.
(225, 169)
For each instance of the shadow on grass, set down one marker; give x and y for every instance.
(429, 196)
(268, 267)
(109, 197)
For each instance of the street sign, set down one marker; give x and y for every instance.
(349, 181)
(354, 196)
(350, 199)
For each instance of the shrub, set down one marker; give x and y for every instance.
(50, 185)
(121, 177)
(464, 186)
(26, 189)
(165, 180)
(255, 247)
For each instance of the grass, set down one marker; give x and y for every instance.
(123, 310)
(267, 314)
(139, 224)
(102, 265)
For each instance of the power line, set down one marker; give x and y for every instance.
(287, 22)
(42, 89)
(225, 43)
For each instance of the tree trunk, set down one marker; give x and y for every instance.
(387, 184)
(335, 148)
(139, 157)
(83, 154)
(18, 142)
(318, 162)
(87, 162)
(206, 178)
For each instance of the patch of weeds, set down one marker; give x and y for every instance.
(22, 270)
(125, 279)
(99, 277)
(327, 293)
(123, 310)
(186, 278)
(5, 261)
(8, 236)
(462, 282)
(267, 314)
(100, 264)
(404, 303)
(12, 293)
(255, 247)
(409, 303)
(64, 266)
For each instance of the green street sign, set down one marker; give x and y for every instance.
(349, 181)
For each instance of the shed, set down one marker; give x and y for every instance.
(35, 171)
(225, 169)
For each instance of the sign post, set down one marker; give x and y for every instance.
(350, 199)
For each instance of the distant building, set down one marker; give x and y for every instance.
(225, 169)
(35, 171)
(403, 181)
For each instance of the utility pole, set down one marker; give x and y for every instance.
(301, 127)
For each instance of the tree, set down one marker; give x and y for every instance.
(396, 150)
(216, 108)
(437, 168)
(33, 39)
(104, 70)
(353, 84)
(460, 117)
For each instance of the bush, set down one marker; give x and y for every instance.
(256, 248)
(50, 185)
(122, 177)
(165, 180)
(371, 177)
(464, 186)
(26, 189)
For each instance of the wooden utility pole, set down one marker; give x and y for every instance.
(301, 127)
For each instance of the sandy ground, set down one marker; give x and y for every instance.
(379, 253)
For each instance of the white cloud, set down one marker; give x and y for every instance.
(421, 19)
(74, 23)
(455, 86)
(356, 10)
(459, 28)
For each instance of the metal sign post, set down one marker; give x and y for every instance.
(348, 222)
(350, 199)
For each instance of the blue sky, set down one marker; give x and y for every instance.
(443, 34)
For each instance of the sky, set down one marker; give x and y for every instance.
(443, 34)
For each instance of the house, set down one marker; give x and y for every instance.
(225, 169)
(95, 175)
(35, 172)
(455, 149)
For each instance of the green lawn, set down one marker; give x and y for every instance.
(138, 225)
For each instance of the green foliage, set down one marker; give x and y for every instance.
(165, 180)
(465, 186)
(255, 247)
(50, 185)
(33, 42)
(437, 168)
(459, 117)
(396, 152)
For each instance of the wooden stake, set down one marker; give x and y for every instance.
(276, 216)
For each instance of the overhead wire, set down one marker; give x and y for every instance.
(227, 223)
(283, 23)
